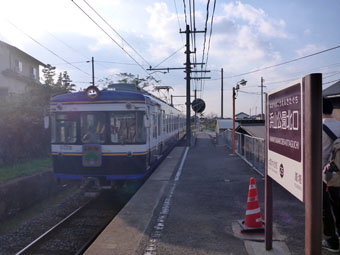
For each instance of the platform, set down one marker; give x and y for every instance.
(191, 205)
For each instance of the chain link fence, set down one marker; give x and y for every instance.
(251, 149)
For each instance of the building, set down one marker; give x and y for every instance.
(18, 71)
(254, 128)
(333, 94)
(241, 116)
(224, 124)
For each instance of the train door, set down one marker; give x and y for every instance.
(148, 124)
(159, 131)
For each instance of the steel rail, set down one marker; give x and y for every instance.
(51, 229)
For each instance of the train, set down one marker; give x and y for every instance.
(112, 135)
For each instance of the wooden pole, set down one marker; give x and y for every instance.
(312, 158)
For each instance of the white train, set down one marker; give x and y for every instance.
(117, 134)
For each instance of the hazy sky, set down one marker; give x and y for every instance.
(246, 36)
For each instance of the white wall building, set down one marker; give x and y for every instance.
(18, 71)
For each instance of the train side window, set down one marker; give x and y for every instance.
(164, 122)
(159, 123)
(64, 128)
(127, 127)
(167, 123)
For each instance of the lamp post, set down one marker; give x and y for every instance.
(235, 89)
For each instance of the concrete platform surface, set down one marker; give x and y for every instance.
(191, 205)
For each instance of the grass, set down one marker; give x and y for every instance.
(24, 169)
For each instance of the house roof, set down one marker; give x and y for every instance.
(255, 130)
(225, 123)
(21, 52)
(241, 113)
(332, 91)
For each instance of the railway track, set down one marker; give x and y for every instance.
(78, 230)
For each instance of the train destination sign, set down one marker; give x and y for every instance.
(285, 138)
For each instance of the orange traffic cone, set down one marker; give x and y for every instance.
(253, 221)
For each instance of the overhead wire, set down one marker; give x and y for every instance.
(204, 43)
(174, 53)
(127, 53)
(185, 12)
(194, 44)
(115, 31)
(336, 73)
(211, 29)
(179, 25)
(74, 50)
(49, 50)
(190, 27)
(324, 83)
(283, 63)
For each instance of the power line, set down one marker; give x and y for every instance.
(252, 93)
(43, 46)
(185, 12)
(204, 41)
(113, 62)
(115, 32)
(205, 29)
(179, 25)
(283, 63)
(331, 75)
(111, 37)
(211, 27)
(72, 49)
(169, 57)
(324, 83)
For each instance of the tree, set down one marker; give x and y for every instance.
(130, 78)
(64, 83)
(48, 74)
(140, 82)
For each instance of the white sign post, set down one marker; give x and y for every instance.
(285, 138)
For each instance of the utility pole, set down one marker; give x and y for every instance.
(187, 70)
(234, 97)
(221, 93)
(262, 116)
(188, 79)
(92, 61)
(93, 71)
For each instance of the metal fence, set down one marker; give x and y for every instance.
(251, 149)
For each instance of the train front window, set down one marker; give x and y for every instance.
(127, 128)
(92, 126)
(64, 128)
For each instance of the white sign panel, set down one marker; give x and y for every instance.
(285, 138)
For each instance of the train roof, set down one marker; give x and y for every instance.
(115, 93)
(105, 96)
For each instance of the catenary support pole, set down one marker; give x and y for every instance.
(234, 95)
(187, 70)
(262, 117)
(221, 93)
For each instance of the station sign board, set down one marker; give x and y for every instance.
(285, 132)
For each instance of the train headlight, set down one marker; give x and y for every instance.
(92, 92)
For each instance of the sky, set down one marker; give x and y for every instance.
(245, 36)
